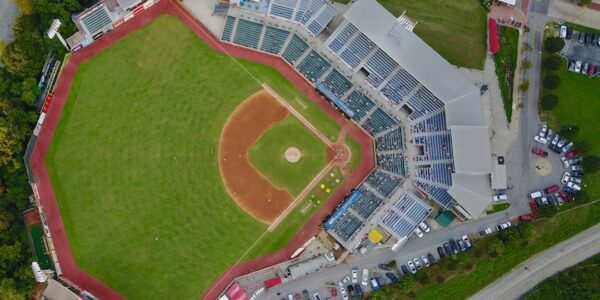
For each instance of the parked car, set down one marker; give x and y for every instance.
(569, 33)
(431, 258)
(334, 292)
(567, 147)
(485, 232)
(405, 269)
(351, 291)
(551, 189)
(565, 196)
(572, 153)
(526, 218)
(588, 38)
(461, 245)
(354, 275)
(571, 65)
(565, 178)
(576, 168)
(581, 37)
(539, 152)
(412, 267)
(393, 278)
(418, 232)
(536, 194)
(578, 66)
(569, 190)
(562, 32)
(344, 294)
(417, 263)
(384, 267)
(592, 70)
(533, 206)
(448, 249)
(440, 251)
(560, 200)
(543, 131)
(503, 226)
(577, 174)
(540, 140)
(316, 296)
(555, 140)
(375, 284)
(574, 186)
(306, 295)
(561, 143)
(424, 227)
(565, 161)
(453, 246)
(585, 68)
(500, 197)
(425, 261)
(359, 291)
(467, 242)
(365, 277)
(576, 180)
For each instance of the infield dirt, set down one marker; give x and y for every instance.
(247, 186)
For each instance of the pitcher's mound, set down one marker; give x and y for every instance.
(292, 154)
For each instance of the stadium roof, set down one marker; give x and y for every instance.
(465, 111)
(125, 4)
(472, 192)
(471, 148)
(413, 54)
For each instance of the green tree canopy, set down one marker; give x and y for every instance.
(569, 131)
(591, 164)
(551, 81)
(554, 44)
(552, 62)
(549, 102)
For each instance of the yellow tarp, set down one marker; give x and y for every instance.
(375, 236)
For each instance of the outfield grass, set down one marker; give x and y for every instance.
(506, 63)
(455, 29)
(134, 165)
(578, 104)
(460, 284)
(267, 155)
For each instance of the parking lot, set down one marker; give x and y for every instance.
(583, 47)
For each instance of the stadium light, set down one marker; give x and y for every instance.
(53, 31)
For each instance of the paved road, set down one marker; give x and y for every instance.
(562, 256)
(8, 13)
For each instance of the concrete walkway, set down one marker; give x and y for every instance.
(571, 12)
(533, 271)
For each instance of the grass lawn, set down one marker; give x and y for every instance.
(134, 165)
(297, 217)
(498, 208)
(267, 155)
(455, 29)
(355, 151)
(40, 252)
(461, 284)
(578, 104)
(506, 63)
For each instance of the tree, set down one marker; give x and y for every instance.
(584, 147)
(495, 248)
(525, 64)
(569, 131)
(549, 102)
(554, 44)
(546, 211)
(581, 197)
(551, 81)
(591, 164)
(423, 277)
(406, 284)
(25, 6)
(552, 62)
(524, 86)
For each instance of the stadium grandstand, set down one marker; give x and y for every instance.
(378, 73)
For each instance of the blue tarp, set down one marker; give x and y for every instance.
(335, 99)
(342, 209)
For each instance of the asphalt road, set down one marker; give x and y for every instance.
(8, 13)
(531, 272)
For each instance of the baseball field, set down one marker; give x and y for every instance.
(136, 163)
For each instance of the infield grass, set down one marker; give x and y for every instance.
(267, 155)
(454, 29)
(134, 168)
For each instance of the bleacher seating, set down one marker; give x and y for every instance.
(379, 121)
(226, 36)
(313, 15)
(412, 207)
(357, 51)
(379, 66)
(342, 38)
(433, 123)
(295, 49)
(383, 183)
(390, 141)
(436, 147)
(319, 22)
(346, 226)
(441, 173)
(360, 104)
(337, 83)
(397, 224)
(274, 39)
(423, 102)
(405, 215)
(313, 66)
(392, 162)
(247, 33)
(438, 194)
(282, 8)
(399, 86)
(366, 204)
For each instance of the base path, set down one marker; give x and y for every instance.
(254, 193)
(79, 278)
(533, 271)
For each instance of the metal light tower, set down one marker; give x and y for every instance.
(53, 31)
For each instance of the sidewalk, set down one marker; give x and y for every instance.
(571, 12)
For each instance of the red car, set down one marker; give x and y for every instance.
(533, 205)
(592, 70)
(539, 152)
(333, 292)
(565, 196)
(527, 218)
(571, 153)
(552, 189)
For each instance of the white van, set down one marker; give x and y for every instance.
(535, 195)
